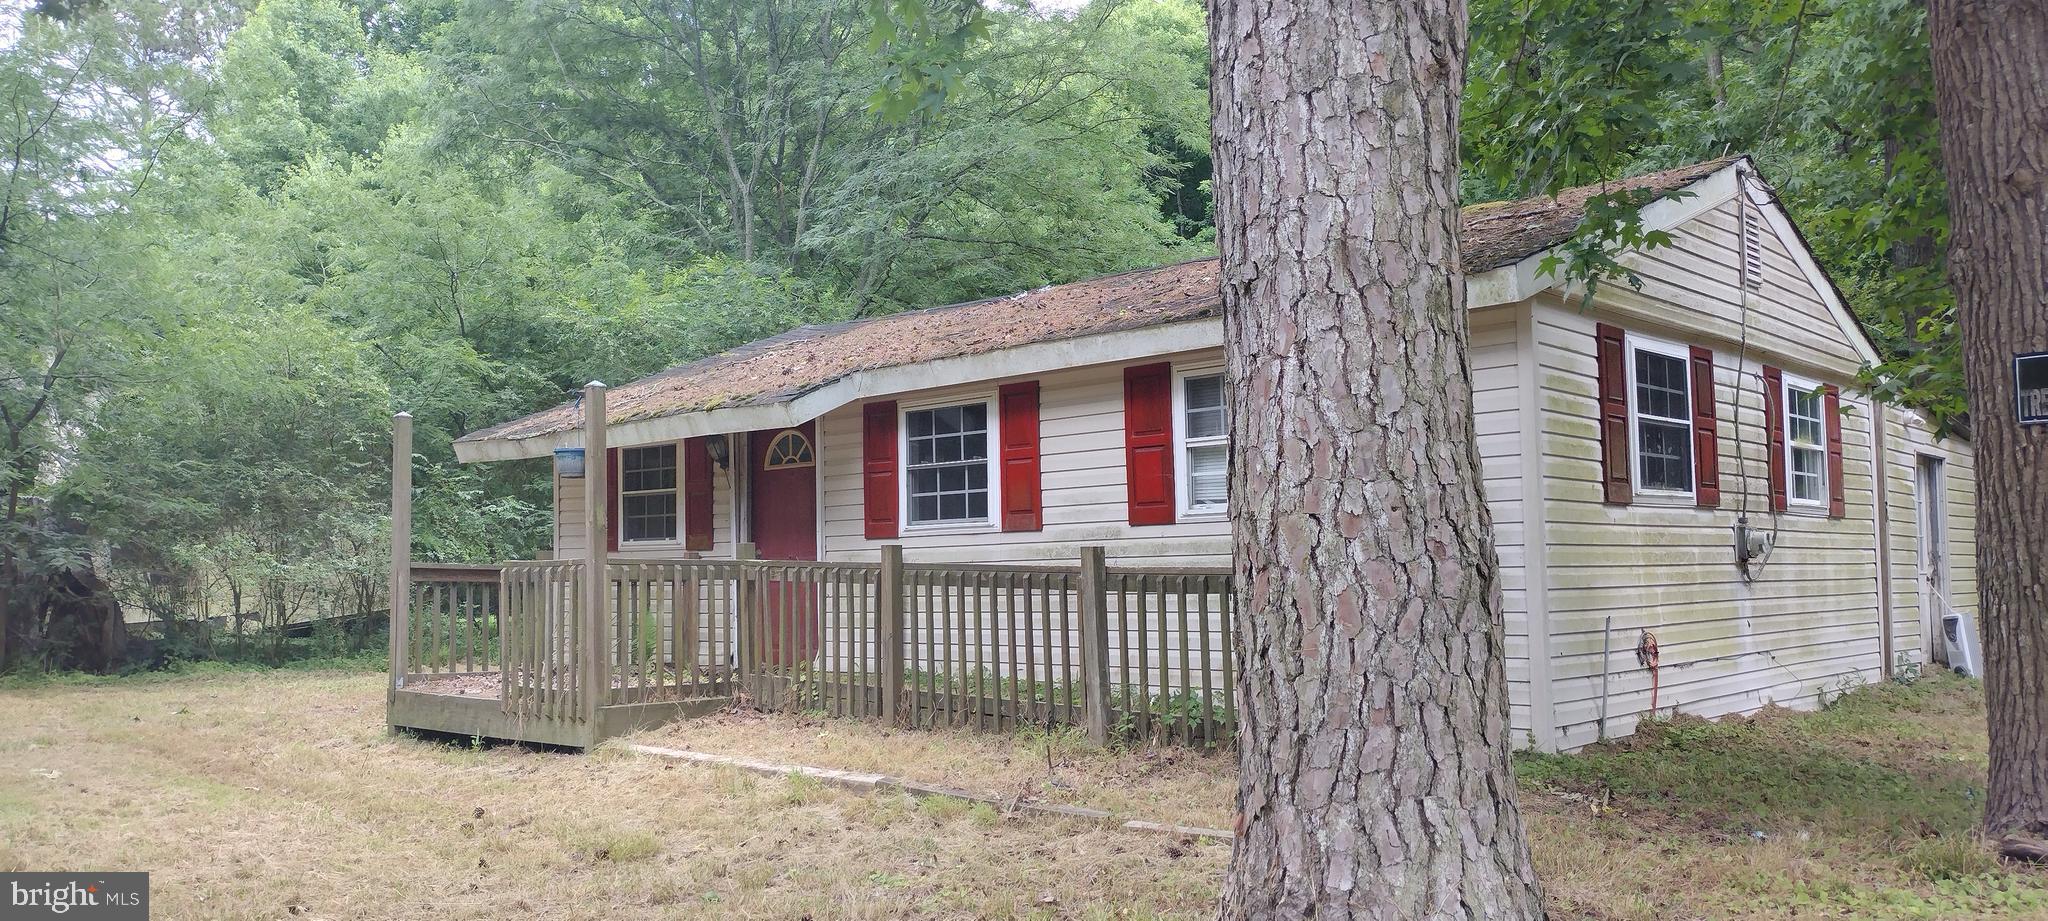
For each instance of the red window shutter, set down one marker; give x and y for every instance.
(1614, 448)
(1706, 431)
(696, 494)
(1774, 423)
(611, 498)
(1018, 405)
(1148, 442)
(878, 469)
(1838, 506)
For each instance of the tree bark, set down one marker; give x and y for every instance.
(1991, 94)
(1375, 780)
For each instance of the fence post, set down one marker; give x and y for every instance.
(889, 631)
(1095, 645)
(400, 621)
(597, 679)
(745, 620)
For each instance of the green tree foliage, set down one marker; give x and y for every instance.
(234, 238)
(1832, 97)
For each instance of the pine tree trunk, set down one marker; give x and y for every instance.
(1374, 737)
(1991, 93)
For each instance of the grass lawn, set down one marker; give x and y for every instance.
(279, 794)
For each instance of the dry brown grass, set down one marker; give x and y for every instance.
(248, 795)
(1163, 783)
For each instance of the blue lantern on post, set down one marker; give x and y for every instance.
(569, 463)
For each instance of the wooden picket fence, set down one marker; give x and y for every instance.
(1130, 652)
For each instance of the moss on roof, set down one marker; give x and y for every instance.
(788, 365)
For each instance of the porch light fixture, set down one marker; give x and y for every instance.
(720, 449)
(569, 463)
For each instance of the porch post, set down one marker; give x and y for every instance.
(597, 679)
(401, 548)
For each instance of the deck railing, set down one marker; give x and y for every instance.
(1132, 652)
(452, 620)
(543, 635)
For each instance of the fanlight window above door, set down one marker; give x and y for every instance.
(789, 449)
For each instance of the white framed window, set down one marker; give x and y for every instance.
(1806, 442)
(1201, 435)
(949, 464)
(648, 497)
(1660, 416)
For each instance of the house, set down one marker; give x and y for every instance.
(1624, 441)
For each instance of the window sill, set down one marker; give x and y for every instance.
(964, 527)
(1666, 499)
(1189, 516)
(1807, 509)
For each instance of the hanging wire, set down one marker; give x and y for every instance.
(1742, 349)
(1743, 204)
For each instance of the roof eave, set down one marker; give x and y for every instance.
(1524, 279)
(1016, 361)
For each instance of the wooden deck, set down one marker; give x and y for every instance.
(533, 651)
(574, 651)
(472, 705)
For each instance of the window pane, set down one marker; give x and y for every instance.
(650, 516)
(1208, 476)
(953, 506)
(1666, 454)
(919, 423)
(924, 481)
(974, 446)
(647, 468)
(1203, 399)
(1661, 386)
(924, 508)
(1807, 476)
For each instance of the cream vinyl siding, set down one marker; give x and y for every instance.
(569, 520)
(1497, 421)
(1809, 622)
(1081, 450)
(1908, 438)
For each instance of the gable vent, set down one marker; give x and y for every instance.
(1752, 250)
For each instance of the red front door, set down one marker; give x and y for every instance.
(785, 493)
(783, 471)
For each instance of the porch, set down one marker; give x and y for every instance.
(532, 651)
